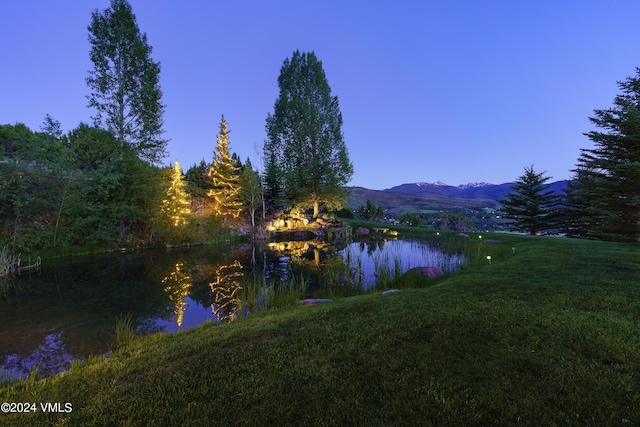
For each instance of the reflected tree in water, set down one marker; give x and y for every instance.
(48, 359)
(177, 285)
(226, 291)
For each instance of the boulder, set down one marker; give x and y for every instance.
(430, 272)
(466, 236)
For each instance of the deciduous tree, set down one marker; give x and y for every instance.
(124, 82)
(250, 191)
(305, 150)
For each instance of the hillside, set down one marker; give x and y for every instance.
(476, 201)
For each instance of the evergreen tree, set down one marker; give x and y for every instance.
(176, 203)
(225, 177)
(532, 209)
(305, 150)
(124, 82)
(274, 191)
(250, 190)
(198, 179)
(606, 190)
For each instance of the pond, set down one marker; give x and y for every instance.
(70, 308)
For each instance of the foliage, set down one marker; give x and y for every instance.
(411, 218)
(124, 82)
(273, 179)
(80, 192)
(345, 212)
(198, 181)
(370, 212)
(225, 177)
(531, 207)
(20, 143)
(450, 221)
(250, 190)
(605, 196)
(305, 152)
(9, 263)
(92, 146)
(176, 202)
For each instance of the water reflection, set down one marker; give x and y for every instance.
(373, 259)
(177, 286)
(169, 290)
(48, 359)
(226, 291)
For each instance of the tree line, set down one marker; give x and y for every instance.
(100, 184)
(602, 200)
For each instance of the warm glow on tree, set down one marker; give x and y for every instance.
(176, 204)
(224, 173)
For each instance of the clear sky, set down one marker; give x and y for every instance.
(454, 91)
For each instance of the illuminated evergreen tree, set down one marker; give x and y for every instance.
(176, 203)
(225, 177)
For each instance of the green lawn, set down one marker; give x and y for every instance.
(547, 336)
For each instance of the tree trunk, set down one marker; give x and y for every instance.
(316, 209)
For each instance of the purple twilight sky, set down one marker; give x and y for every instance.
(455, 91)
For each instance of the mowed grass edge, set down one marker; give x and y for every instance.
(548, 335)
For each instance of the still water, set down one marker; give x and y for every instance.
(69, 309)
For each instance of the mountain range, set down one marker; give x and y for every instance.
(430, 198)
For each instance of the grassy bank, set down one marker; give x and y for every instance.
(548, 335)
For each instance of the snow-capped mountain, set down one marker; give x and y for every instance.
(473, 185)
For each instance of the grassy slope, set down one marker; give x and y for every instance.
(548, 336)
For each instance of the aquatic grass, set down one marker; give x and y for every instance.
(8, 376)
(260, 293)
(289, 292)
(546, 336)
(126, 330)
